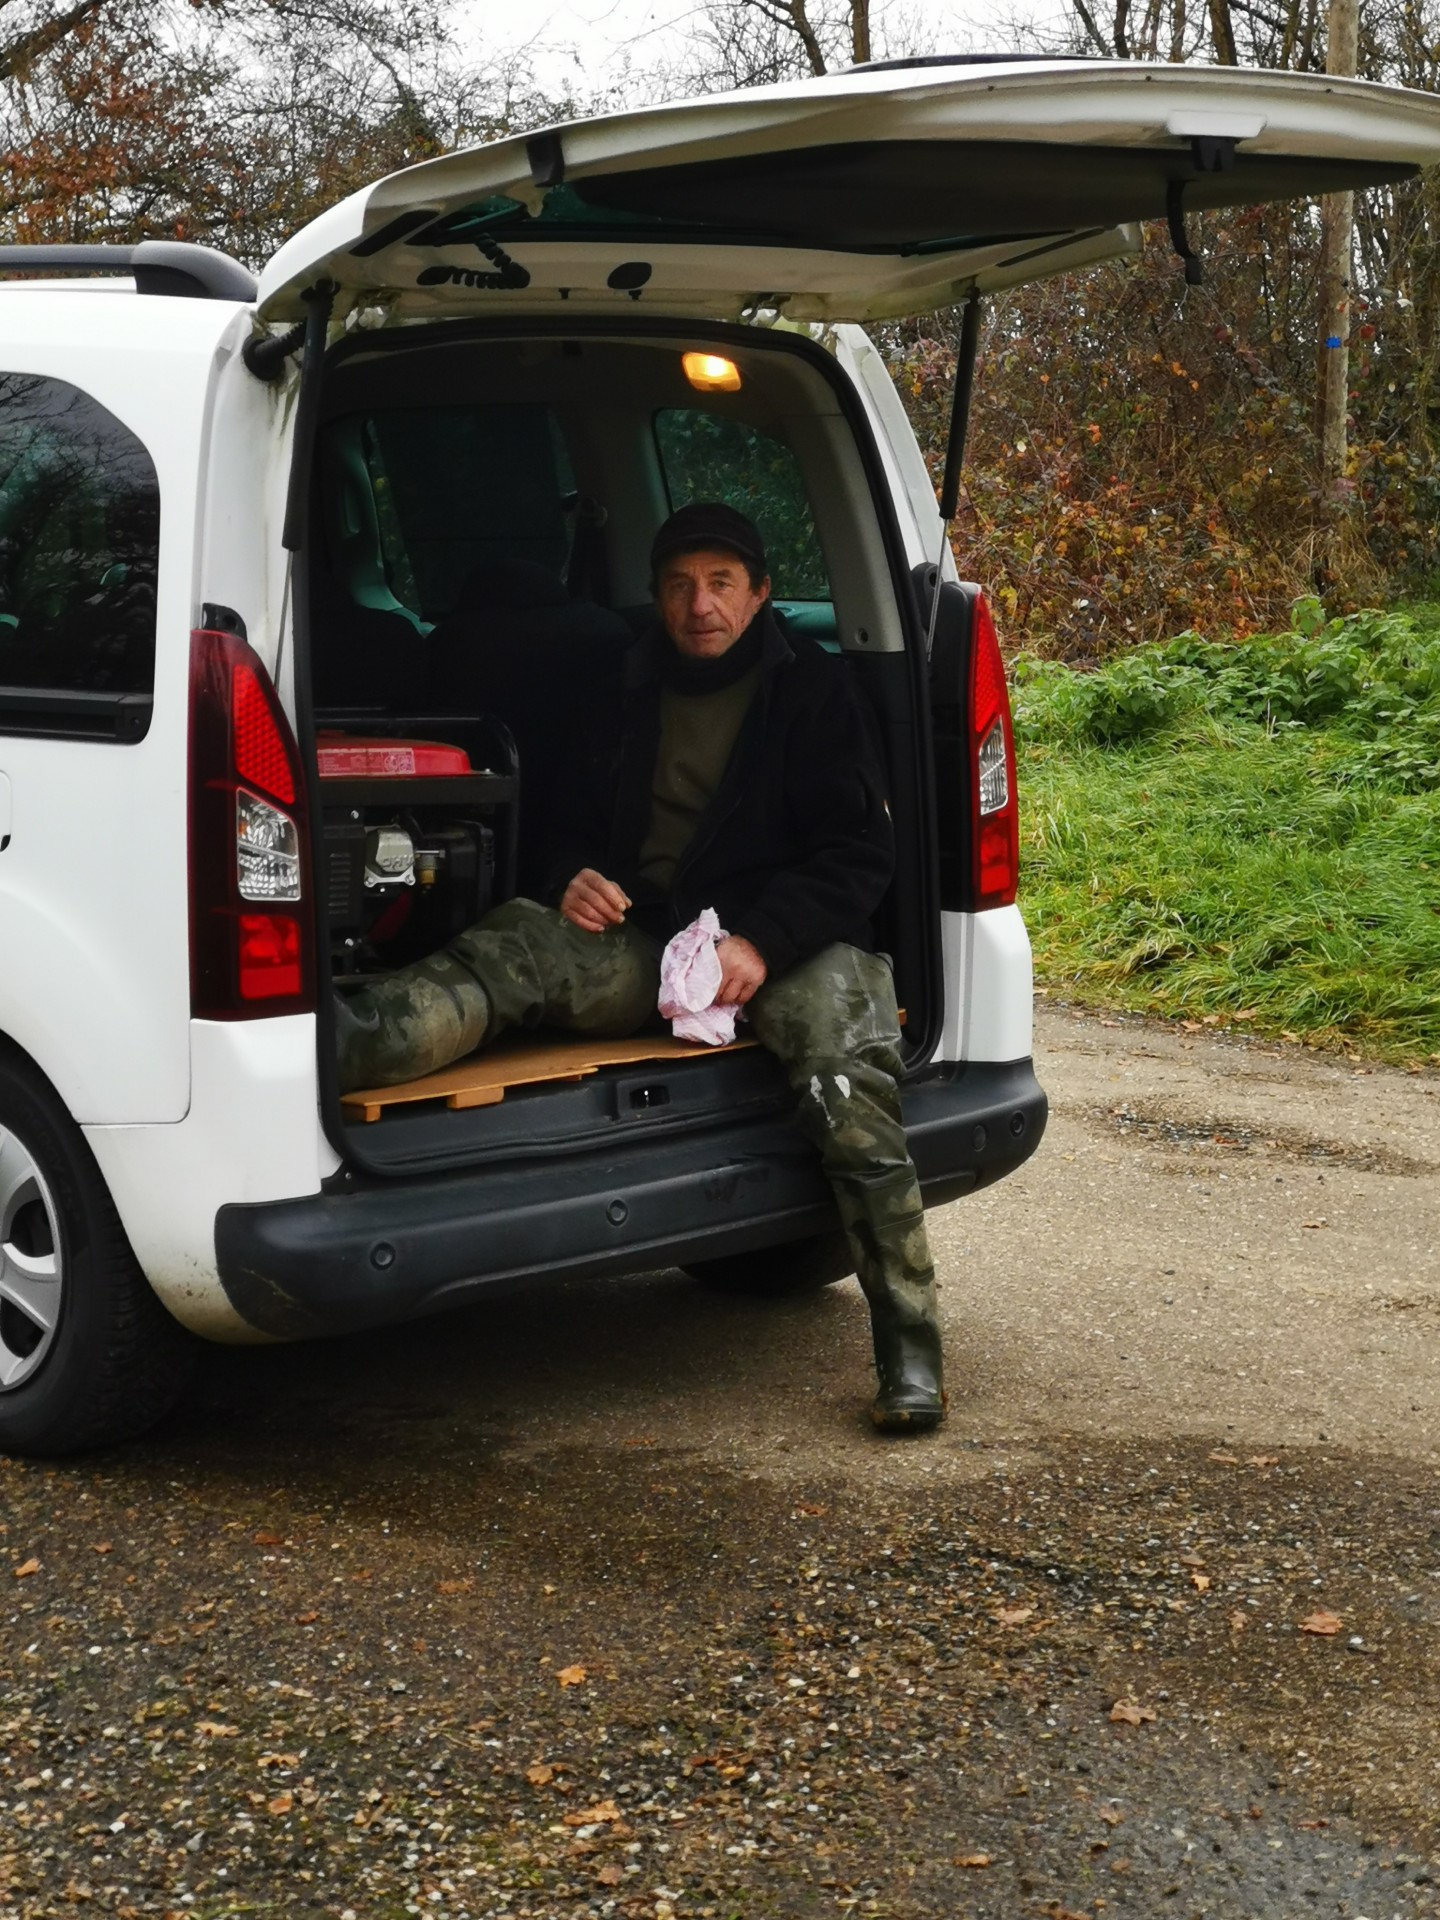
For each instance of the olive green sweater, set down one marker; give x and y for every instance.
(698, 732)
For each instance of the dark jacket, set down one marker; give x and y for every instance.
(795, 851)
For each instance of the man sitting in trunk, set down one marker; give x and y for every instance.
(741, 777)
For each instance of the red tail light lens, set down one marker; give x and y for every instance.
(262, 758)
(271, 956)
(249, 848)
(993, 796)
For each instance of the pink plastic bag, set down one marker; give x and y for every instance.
(689, 981)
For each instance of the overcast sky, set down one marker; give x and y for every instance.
(587, 40)
(592, 43)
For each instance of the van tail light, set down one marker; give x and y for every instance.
(995, 808)
(251, 938)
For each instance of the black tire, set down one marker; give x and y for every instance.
(88, 1356)
(780, 1272)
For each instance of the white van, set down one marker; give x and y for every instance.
(308, 589)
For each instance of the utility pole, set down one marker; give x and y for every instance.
(1337, 225)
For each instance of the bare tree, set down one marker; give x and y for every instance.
(1337, 241)
(748, 43)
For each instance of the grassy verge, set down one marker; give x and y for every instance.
(1248, 832)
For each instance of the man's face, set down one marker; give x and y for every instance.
(706, 601)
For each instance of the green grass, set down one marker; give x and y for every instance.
(1244, 831)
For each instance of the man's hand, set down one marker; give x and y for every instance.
(742, 971)
(594, 903)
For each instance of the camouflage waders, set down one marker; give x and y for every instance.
(831, 1022)
(833, 1025)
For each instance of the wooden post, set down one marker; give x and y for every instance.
(1337, 224)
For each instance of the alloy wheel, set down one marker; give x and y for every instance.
(31, 1264)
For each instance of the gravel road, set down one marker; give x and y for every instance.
(605, 1601)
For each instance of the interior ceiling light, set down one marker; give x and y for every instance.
(710, 373)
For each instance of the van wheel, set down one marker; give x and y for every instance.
(88, 1355)
(777, 1273)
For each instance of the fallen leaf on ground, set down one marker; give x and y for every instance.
(1263, 1460)
(971, 1860)
(265, 1538)
(602, 1811)
(102, 1546)
(282, 1803)
(609, 1875)
(1200, 1582)
(306, 1619)
(1112, 1816)
(24, 1571)
(453, 1586)
(216, 1729)
(809, 1511)
(1239, 1620)
(1013, 1616)
(1322, 1623)
(541, 1774)
(1226, 1459)
(575, 1676)
(1128, 1713)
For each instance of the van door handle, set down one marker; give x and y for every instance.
(4, 813)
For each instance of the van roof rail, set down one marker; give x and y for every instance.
(175, 267)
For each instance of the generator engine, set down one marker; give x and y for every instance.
(416, 846)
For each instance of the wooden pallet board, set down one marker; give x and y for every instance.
(481, 1080)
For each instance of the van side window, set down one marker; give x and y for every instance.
(711, 456)
(79, 557)
(447, 490)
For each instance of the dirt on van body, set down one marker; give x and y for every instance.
(605, 1601)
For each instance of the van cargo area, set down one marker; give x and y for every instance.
(480, 517)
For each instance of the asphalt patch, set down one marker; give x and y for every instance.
(1210, 1131)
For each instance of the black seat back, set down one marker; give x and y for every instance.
(547, 666)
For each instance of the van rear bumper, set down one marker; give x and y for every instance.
(375, 1250)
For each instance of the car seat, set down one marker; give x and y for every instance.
(516, 646)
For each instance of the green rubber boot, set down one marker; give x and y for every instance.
(912, 1379)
